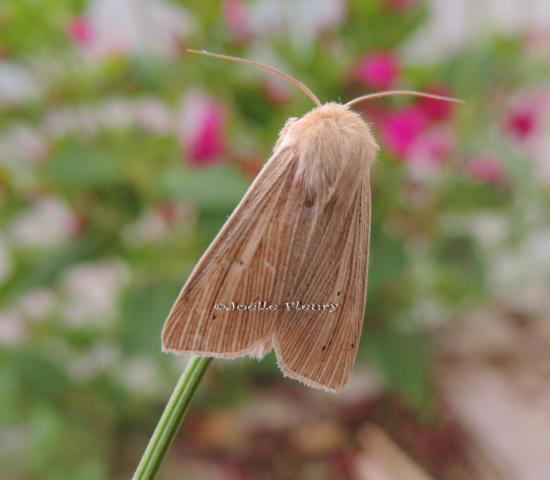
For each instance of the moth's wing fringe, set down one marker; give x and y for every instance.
(251, 352)
(289, 373)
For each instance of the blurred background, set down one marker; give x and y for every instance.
(120, 158)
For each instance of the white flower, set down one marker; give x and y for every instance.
(60, 122)
(14, 322)
(17, 84)
(149, 228)
(37, 304)
(47, 223)
(22, 142)
(429, 313)
(12, 328)
(520, 276)
(490, 229)
(302, 19)
(5, 261)
(454, 25)
(148, 113)
(93, 362)
(91, 291)
(153, 115)
(142, 26)
(541, 159)
(537, 245)
(115, 113)
(140, 375)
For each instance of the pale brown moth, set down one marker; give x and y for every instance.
(300, 234)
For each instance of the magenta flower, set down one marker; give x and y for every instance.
(485, 167)
(400, 4)
(236, 19)
(80, 30)
(207, 144)
(378, 70)
(436, 110)
(521, 122)
(401, 128)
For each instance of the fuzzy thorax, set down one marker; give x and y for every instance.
(334, 150)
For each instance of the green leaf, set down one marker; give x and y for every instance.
(404, 360)
(76, 167)
(388, 260)
(461, 272)
(38, 377)
(215, 188)
(45, 267)
(143, 311)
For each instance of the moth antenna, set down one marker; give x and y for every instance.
(262, 66)
(392, 93)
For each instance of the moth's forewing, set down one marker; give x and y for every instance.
(241, 266)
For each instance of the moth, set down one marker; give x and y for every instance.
(300, 235)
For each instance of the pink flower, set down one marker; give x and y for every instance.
(400, 4)
(401, 128)
(200, 125)
(378, 70)
(80, 30)
(485, 167)
(207, 144)
(521, 122)
(431, 148)
(236, 19)
(436, 110)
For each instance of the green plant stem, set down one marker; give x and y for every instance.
(171, 418)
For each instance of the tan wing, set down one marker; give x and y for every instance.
(239, 266)
(319, 348)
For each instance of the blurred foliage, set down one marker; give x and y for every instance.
(66, 408)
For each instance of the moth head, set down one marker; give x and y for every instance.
(329, 124)
(330, 131)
